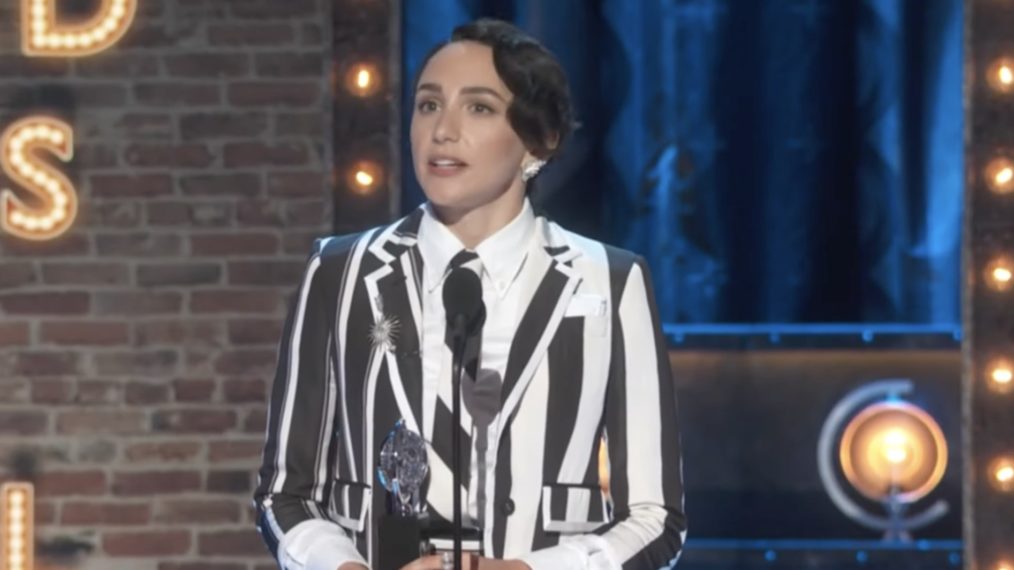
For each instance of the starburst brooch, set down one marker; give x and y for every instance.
(384, 331)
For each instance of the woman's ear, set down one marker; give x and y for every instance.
(553, 141)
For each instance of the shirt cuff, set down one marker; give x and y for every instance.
(317, 545)
(585, 552)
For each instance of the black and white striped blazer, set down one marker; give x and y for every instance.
(588, 360)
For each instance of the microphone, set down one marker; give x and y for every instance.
(465, 316)
(466, 312)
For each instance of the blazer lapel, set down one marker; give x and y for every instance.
(548, 288)
(393, 291)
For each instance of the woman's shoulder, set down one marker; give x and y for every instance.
(599, 253)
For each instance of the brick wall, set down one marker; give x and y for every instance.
(136, 350)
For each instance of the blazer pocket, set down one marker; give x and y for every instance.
(352, 501)
(593, 308)
(573, 508)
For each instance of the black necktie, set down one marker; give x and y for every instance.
(469, 365)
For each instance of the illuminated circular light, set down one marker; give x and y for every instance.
(16, 499)
(16, 527)
(1000, 175)
(46, 223)
(1003, 566)
(363, 79)
(364, 177)
(72, 41)
(16, 543)
(1001, 375)
(1000, 273)
(1001, 473)
(38, 28)
(1000, 75)
(893, 449)
(59, 214)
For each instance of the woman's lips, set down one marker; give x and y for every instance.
(445, 168)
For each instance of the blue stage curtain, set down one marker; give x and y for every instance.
(776, 161)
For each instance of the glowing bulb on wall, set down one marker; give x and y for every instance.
(999, 274)
(364, 177)
(43, 36)
(1000, 374)
(1000, 75)
(1000, 175)
(362, 79)
(1001, 473)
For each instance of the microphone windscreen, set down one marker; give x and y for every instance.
(463, 297)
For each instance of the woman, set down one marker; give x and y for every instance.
(570, 355)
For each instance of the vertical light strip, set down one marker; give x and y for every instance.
(17, 526)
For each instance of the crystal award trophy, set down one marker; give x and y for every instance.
(402, 469)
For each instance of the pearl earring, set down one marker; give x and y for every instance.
(531, 169)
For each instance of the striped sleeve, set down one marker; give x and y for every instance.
(294, 481)
(646, 482)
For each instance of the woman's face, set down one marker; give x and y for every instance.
(464, 151)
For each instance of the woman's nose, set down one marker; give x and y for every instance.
(446, 128)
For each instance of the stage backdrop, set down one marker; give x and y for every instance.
(777, 161)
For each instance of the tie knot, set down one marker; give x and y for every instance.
(463, 257)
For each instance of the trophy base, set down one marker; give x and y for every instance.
(401, 543)
(406, 538)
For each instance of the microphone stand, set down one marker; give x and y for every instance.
(458, 357)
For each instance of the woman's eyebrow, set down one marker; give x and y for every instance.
(466, 90)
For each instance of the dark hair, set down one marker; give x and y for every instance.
(541, 112)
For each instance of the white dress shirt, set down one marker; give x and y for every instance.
(502, 256)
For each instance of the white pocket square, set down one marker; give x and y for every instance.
(586, 305)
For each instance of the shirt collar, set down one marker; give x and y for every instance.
(502, 253)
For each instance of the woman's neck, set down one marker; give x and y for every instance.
(472, 226)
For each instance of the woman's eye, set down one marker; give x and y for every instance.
(480, 108)
(426, 106)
